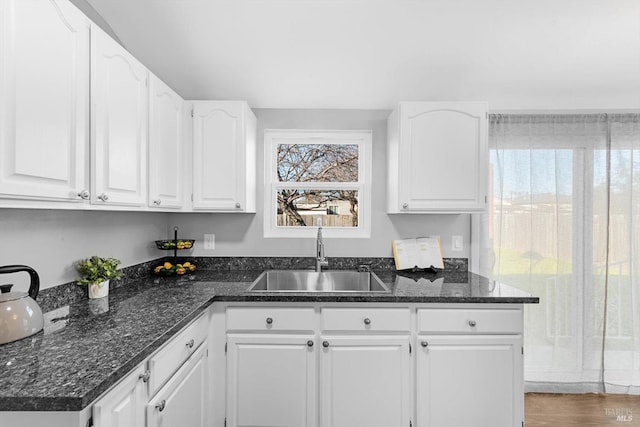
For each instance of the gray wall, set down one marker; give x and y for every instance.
(242, 234)
(51, 241)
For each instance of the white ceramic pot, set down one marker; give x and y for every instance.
(100, 290)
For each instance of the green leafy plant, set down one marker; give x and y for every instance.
(96, 270)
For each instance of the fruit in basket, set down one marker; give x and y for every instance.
(168, 269)
(174, 244)
(188, 266)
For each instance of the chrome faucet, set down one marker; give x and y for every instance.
(321, 261)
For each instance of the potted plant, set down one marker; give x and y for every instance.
(96, 272)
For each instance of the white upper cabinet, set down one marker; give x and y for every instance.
(166, 146)
(437, 157)
(44, 100)
(224, 156)
(119, 123)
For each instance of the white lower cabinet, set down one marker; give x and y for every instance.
(271, 380)
(469, 381)
(178, 370)
(182, 401)
(365, 381)
(374, 365)
(123, 406)
(279, 358)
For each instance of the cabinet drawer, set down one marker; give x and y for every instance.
(469, 321)
(270, 319)
(183, 400)
(170, 357)
(365, 319)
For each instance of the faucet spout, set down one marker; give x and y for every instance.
(321, 260)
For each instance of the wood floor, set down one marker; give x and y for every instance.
(568, 410)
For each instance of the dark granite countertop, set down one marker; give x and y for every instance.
(89, 345)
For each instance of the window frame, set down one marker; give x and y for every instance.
(274, 137)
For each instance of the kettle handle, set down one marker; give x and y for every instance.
(34, 286)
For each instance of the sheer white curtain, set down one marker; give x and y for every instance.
(564, 224)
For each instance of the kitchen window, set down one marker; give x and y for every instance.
(317, 178)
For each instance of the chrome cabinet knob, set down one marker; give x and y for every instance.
(160, 405)
(424, 343)
(367, 321)
(145, 376)
(104, 197)
(84, 195)
(325, 344)
(157, 202)
(269, 320)
(405, 205)
(190, 343)
(238, 205)
(472, 323)
(310, 343)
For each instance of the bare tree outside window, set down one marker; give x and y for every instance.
(317, 163)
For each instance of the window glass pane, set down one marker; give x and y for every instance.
(317, 163)
(612, 240)
(532, 231)
(301, 208)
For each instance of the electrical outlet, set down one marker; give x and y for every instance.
(457, 243)
(209, 242)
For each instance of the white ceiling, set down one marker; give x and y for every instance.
(516, 54)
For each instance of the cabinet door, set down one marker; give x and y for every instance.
(443, 157)
(123, 405)
(183, 400)
(166, 148)
(44, 100)
(365, 381)
(119, 119)
(469, 381)
(271, 380)
(223, 156)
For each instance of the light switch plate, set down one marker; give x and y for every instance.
(457, 243)
(209, 242)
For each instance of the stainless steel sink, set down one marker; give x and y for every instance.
(311, 281)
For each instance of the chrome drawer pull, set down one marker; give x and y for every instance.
(367, 321)
(145, 376)
(269, 320)
(310, 343)
(190, 343)
(424, 343)
(160, 406)
(472, 323)
(325, 344)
